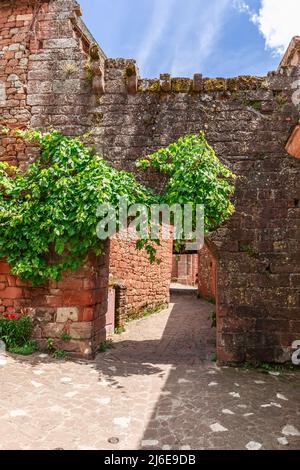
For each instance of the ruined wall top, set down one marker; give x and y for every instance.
(292, 54)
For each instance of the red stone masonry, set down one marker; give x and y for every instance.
(43, 83)
(248, 121)
(40, 80)
(207, 274)
(16, 43)
(147, 285)
(75, 305)
(185, 269)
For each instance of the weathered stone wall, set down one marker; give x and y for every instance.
(185, 269)
(16, 43)
(76, 305)
(146, 284)
(44, 83)
(247, 120)
(207, 274)
(59, 88)
(44, 78)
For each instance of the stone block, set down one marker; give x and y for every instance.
(132, 84)
(2, 94)
(41, 87)
(81, 330)
(197, 82)
(66, 86)
(293, 145)
(44, 315)
(60, 43)
(116, 86)
(26, 17)
(165, 82)
(12, 293)
(52, 330)
(64, 314)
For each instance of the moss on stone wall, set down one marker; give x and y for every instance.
(245, 82)
(154, 86)
(214, 84)
(182, 85)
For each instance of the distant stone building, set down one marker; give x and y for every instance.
(52, 74)
(185, 269)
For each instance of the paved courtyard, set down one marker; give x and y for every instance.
(156, 389)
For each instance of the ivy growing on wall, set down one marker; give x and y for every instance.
(48, 213)
(195, 176)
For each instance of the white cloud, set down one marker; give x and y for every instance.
(161, 14)
(189, 31)
(277, 20)
(207, 22)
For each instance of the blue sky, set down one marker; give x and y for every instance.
(183, 37)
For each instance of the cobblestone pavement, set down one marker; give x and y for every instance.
(156, 389)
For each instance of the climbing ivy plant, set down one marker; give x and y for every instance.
(48, 213)
(195, 176)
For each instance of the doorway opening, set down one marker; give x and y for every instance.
(193, 297)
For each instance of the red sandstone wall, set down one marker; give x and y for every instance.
(43, 81)
(15, 47)
(147, 284)
(207, 271)
(247, 121)
(76, 305)
(43, 84)
(185, 269)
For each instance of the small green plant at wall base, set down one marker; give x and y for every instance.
(119, 330)
(4, 130)
(59, 354)
(88, 71)
(281, 99)
(66, 337)
(105, 345)
(50, 345)
(15, 330)
(26, 350)
(54, 351)
(130, 71)
(210, 300)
